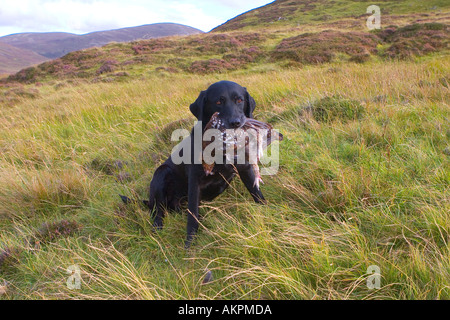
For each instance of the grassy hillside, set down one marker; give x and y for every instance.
(252, 51)
(306, 13)
(364, 175)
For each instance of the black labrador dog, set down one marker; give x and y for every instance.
(172, 182)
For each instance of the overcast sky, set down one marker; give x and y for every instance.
(83, 16)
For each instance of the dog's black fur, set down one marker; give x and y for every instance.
(172, 183)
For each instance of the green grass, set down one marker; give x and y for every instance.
(364, 167)
(321, 13)
(363, 180)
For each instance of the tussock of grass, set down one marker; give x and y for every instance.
(326, 109)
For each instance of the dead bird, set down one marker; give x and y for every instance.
(239, 139)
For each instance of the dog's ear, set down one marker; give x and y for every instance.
(197, 107)
(250, 105)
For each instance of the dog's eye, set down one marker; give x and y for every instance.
(219, 102)
(239, 100)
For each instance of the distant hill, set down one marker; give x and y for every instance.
(56, 44)
(13, 59)
(296, 13)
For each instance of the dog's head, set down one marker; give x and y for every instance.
(228, 98)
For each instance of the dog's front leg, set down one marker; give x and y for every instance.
(193, 203)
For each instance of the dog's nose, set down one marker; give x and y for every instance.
(235, 123)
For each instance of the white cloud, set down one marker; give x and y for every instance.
(83, 16)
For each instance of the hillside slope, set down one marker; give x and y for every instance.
(239, 51)
(409, 28)
(13, 59)
(56, 44)
(293, 13)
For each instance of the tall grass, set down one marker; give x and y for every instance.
(351, 192)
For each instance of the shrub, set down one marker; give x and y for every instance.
(151, 46)
(414, 40)
(211, 66)
(360, 57)
(51, 231)
(108, 167)
(27, 75)
(336, 107)
(223, 42)
(107, 66)
(58, 68)
(312, 48)
(9, 257)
